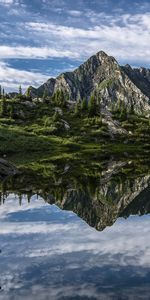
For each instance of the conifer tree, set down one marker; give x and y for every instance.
(55, 98)
(3, 106)
(84, 105)
(11, 111)
(67, 97)
(20, 91)
(78, 107)
(61, 99)
(132, 109)
(28, 92)
(56, 116)
(92, 106)
(123, 111)
(3, 94)
(119, 105)
(45, 94)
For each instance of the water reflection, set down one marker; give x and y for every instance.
(47, 251)
(97, 193)
(50, 253)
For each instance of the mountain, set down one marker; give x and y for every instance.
(102, 76)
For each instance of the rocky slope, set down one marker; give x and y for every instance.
(103, 76)
(140, 77)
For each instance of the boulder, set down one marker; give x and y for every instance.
(7, 169)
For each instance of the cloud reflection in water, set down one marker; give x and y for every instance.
(48, 253)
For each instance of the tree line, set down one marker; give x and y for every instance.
(91, 107)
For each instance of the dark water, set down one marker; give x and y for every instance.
(76, 231)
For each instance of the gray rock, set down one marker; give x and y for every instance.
(7, 169)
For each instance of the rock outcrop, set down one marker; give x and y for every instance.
(6, 169)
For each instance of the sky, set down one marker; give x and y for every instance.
(40, 39)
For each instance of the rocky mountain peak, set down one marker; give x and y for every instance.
(103, 57)
(127, 66)
(99, 59)
(103, 76)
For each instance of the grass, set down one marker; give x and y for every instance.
(37, 128)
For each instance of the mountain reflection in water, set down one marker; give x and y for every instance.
(48, 249)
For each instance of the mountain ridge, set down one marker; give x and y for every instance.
(102, 76)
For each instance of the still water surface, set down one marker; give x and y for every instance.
(47, 253)
(91, 244)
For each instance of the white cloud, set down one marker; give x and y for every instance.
(11, 78)
(10, 2)
(126, 37)
(75, 13)
(34, 52)
(6, 2)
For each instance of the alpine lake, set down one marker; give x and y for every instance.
(76, 227)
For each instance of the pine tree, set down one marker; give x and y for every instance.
(20, 91)
(11, 111)
(0, 92)
(3, 106)
(67, 97)
(119, 105)
(92, 106)
(123, 111)
(28, 92)
(61, 99)
(113, 107)
(56, 97)
(132, 112)
(84, 105)
(45, 94)
(56, 116)
(3, 94)
(78, 107)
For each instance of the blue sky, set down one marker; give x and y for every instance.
(42, 38)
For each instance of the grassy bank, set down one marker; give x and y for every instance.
(27, 128)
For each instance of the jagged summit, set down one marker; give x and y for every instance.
(103, 76)
(103, 56)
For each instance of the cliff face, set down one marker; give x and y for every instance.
(101, 75)
(140, 77)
